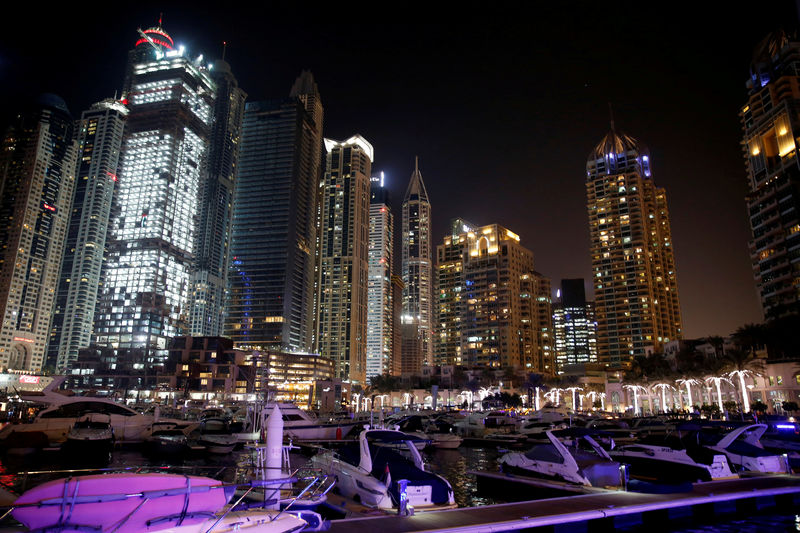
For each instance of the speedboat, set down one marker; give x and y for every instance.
(91, 436)
(133, 503)
(666, 464)
(583, 463)
(744, 450)
(369, 470)
(215, 436)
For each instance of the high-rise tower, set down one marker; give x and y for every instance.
(99, 137)
(417, 271)
(635, 282)
(146, 296)
(212, 239)
(274, 230)
(343, 257)
(574, 325)
(37, 167)
(770, 120)
(379, 299)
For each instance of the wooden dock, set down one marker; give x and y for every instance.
(602, 510)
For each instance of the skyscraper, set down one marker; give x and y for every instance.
(574, 325)
(37, 167)
(493, 309)
(99, 137)
(770, 120)
(343, 257)
(274, 228)
(146, 296)
(379, 299)
(635, 281)
(417, 270)
(212, 239)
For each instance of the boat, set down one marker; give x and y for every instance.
(167, 440)
(131, 503)
(300, 425)
(583, 463)
(55, 422)
(744, 450)
(215, 436)
(91, 436)
(368, 471)
(668, 465)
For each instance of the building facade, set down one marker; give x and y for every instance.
(146, 293)
(635, 279)
(769, 119)
(417, 270)
(215, 215)
(270, 304)
(343, 257)
(536, 333)
(37, 166)
(574, 325)
(99, 137)
(379, 299)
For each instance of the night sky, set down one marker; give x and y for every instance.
(501, 101)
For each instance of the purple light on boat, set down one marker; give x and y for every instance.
(784, 426)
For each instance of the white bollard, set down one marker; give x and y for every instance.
(274, 445)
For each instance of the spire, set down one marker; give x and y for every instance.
(224, 47)
(416, 187)
(611, 114)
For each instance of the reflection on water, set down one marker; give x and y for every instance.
(453, 465)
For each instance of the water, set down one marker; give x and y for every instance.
(452, 464)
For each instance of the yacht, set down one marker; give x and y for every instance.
(299, 424)
(665, 464)
(368, 471)
(91, 436)
(744, 450)
(582, 463)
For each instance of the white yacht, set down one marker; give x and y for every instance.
(585, 463)
(368, 472)
(665, 464)
(744, 450)
(300, 424)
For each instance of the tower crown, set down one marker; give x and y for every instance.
(618, 152)
(155, 36)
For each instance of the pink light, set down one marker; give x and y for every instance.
(29, 379)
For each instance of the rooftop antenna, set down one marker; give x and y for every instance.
(416, 164)
(224, 47)
(611, 114)
(160, 19)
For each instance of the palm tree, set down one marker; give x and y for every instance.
(532, 384)
(750, 337)
(741, 365)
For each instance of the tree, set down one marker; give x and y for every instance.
(790, 406)
(759, 407)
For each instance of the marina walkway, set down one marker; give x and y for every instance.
(610, 506)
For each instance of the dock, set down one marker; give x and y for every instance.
(597, 511)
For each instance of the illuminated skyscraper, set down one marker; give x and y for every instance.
(274, 228)
(574, 325)
(213, 236)
(37, 167)
(99, 137)
(493, 309)
(635, 282)
(146, 296)
(771, 126)
(343, 257)
(417, 270)
(379, 299)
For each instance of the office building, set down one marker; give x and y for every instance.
(99, 137)
(536, 333)
(215, 208)
(769, 120)
(417, 271)
(635, 280)
(574, 325)
(146, 292)
(343, 257)
(270, 304)
(379, 296)
(37, 167)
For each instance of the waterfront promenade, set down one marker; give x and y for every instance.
(602, 511)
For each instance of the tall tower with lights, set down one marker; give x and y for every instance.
(99, 136)
(633, 264)
(417, 271)
(343, 257)
(771, 126)
(37, 167)
(271, 294)
(379, 300)
(146, 293)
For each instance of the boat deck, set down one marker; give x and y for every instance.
(613, 506)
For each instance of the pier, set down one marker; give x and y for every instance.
(598, 511)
